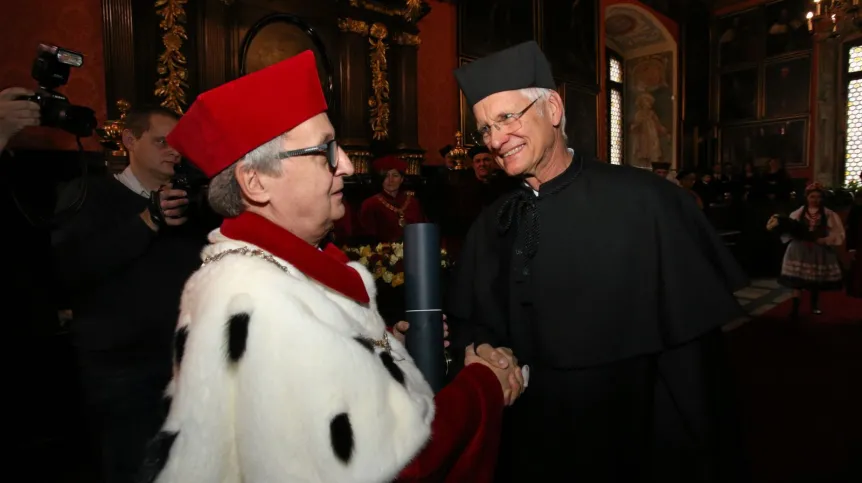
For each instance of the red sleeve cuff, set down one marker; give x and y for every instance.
(465, 432)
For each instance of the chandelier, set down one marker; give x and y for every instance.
(834, 18)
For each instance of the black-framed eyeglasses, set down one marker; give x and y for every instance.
(509, 124)
(330, 149)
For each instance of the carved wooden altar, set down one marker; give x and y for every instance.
(168, 51)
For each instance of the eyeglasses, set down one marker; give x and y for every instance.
(330, 149)
(509, 124)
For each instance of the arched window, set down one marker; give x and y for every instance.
(615, 104)
(853, 140)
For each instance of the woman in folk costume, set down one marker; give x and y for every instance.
(284, 371)
(810, 262)
(384, 215)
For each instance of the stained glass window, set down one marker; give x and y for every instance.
(853, 149)
(616, 69)
(616, 127)
(855, 59)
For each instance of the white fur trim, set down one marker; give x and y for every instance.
(267, 418)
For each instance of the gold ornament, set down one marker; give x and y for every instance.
(379, 101)
(171, 63)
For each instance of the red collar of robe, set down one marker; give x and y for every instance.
(328, 267)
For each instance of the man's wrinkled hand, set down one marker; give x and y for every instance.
(511, 378)
(501, 357)
(400, 329)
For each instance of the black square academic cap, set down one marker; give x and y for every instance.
(664, 166)
(518, 67)
(445, 150)
(478, 150)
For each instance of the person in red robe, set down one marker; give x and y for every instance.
(384, 215)
(283, 368)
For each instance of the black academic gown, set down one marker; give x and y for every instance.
(618, 313)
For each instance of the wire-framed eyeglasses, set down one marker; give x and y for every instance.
(508, 124)
(329, 149)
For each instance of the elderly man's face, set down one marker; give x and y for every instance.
(483, 163)
(521, 147)
(307, 196)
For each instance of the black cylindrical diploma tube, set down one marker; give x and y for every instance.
(423, 306)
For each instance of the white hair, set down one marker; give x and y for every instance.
(224, 194)
(539, 93)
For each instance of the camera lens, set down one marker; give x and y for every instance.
(78, 120)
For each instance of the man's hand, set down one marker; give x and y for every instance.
(511, 379)
(501, 357)
(16, 115)
(399, 329)
(171, 208)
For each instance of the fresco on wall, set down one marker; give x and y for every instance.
(649, 109)
(630, 29)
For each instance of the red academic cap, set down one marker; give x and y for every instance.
(226, 123)
(389, 162)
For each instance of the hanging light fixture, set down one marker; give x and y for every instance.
(833, 18)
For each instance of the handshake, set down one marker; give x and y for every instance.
(512, 377)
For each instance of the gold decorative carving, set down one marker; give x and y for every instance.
(111, 133)
(414, 162)
(353, 26)
(111, 138)
(410, 11)
(172, 62)
(403, 38)
(359, 159)
(414, 8)
(379, 101)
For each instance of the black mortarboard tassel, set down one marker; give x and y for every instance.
(518, 67)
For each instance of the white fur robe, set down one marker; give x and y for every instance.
(272, 385)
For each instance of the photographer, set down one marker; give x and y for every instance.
(123, 259)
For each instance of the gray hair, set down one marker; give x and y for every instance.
(539, 93)
(224, 194)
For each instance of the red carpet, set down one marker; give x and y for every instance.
(837, 308)
(800, 390)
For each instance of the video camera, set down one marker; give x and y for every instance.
(51, 70)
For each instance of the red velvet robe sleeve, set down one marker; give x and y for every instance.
(465, 433)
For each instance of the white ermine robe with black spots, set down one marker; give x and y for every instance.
(274, 382)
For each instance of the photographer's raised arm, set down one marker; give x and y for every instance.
(94, 243)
